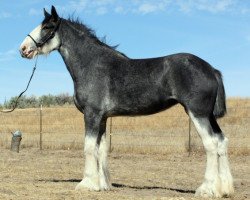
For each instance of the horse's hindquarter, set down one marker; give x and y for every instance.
(192, 82)
(189, 75)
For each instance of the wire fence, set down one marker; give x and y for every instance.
(168, 131)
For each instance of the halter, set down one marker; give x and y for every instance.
(47, 37)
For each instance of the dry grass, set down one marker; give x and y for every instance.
(63, 128)
(53, 175)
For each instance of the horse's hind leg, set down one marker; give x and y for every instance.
(226, 178)
(218, 179)
(211, 185)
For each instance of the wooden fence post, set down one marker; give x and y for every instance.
(41, 127)
(110, 135)
(189, 136)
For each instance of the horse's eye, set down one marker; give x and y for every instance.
(47, 27)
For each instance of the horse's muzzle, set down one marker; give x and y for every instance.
(25, 53)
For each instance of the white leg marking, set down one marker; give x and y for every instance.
(103, 165)
(91, 176)
(226, 178)
(211, 185)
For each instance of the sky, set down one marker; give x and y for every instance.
(218, 31)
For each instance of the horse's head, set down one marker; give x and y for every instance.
(44, 38)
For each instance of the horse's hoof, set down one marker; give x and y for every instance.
(227, 188)
(207, 191)
(88, 184)
(105, 187)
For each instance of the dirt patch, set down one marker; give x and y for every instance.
(53, 174)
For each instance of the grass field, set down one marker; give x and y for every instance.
(53, 175)
(63, 128)
(149, 158)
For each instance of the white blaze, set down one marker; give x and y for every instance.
(35, 34)
(28, 46)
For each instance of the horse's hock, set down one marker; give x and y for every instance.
(15, 141)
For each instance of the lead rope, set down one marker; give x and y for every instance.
(16, 102)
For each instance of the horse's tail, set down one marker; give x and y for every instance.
(220, 104)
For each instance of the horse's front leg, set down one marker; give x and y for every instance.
(96, 172)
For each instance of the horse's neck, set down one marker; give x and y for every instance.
(77, 55)
(79, 51)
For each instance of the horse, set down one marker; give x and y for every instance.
(107, 83)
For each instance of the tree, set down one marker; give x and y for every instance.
(34, 102)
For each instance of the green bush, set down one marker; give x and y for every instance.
(34, 102)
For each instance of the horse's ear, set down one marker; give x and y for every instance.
(54, 13)
(46, 14)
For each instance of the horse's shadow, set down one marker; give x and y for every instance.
(118, 185)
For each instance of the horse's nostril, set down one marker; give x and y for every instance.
(23, 48)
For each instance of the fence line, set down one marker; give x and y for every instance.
(115, 129)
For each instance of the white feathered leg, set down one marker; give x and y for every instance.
(211, 185)
(227, 188)
(91, 176)
(103, 165)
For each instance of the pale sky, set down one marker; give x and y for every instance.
(216, 30)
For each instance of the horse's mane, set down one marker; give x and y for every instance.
(79, 26)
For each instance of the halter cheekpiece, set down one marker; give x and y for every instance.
(47, 37)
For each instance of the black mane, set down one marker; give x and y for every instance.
(79, 26)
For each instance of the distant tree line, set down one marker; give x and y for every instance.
(34, 102)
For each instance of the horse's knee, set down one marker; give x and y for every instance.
(211, 145)
(103, 148)
(222, 146)
(90, 146)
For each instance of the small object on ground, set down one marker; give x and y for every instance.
(15, 141)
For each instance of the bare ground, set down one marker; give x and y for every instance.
(53, 174)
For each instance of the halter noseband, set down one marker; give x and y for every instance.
(47, 37)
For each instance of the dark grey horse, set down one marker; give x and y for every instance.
(108, 83)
